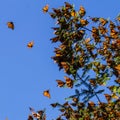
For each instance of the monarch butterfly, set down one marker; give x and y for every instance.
(112, 25)
(114, 96)
(68, 5)
(87, 40)
(83, 22)
(108, 97)
(69, 82)
(117, 67)
(102, 30)
(75, 99)
(30, 44)
(45, 8)
(114, 34)
(60, 83)
(54, 105)
(36, 115)
(10, 25)
(95, 19)
(82, 11)
(30, 117)
(92, 82)
(73, 13)
(46, 93)
(103, 21)
(92, 104)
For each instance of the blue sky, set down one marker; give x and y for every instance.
(26, 73)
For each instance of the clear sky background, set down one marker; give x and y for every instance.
(26, 73)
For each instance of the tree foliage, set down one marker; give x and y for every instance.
(89, 53)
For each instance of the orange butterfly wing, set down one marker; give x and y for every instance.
(46, 93)
(10, 25)
(30, 44)
(45, 8)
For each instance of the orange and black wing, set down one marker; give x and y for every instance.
(45, 8)
(10, 25)
(46, 93)
(30, 44)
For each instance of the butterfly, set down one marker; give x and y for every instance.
(30, 117)
(73, 13)
(103, 21)
(117, 67)
(69, 82)
(108, 97)
(30, 44)
(10, 25)
(46, 93)
(91, 104)
(60, 83)
(82, 11)
(68, 5)
(45, 8)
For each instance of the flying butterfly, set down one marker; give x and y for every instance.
(46, 93)
(10, 25)
(45, 8)
(60, 83)
(30, 44)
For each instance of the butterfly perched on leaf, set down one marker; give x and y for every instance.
(103, 21)
(46, 93)
(82, 11)
(91, 104)
(73, 13)
(30, 44)
(108, 97)
(10, 25)
(69, 82)
(45, 8)
(68, 5)
(118, 68)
